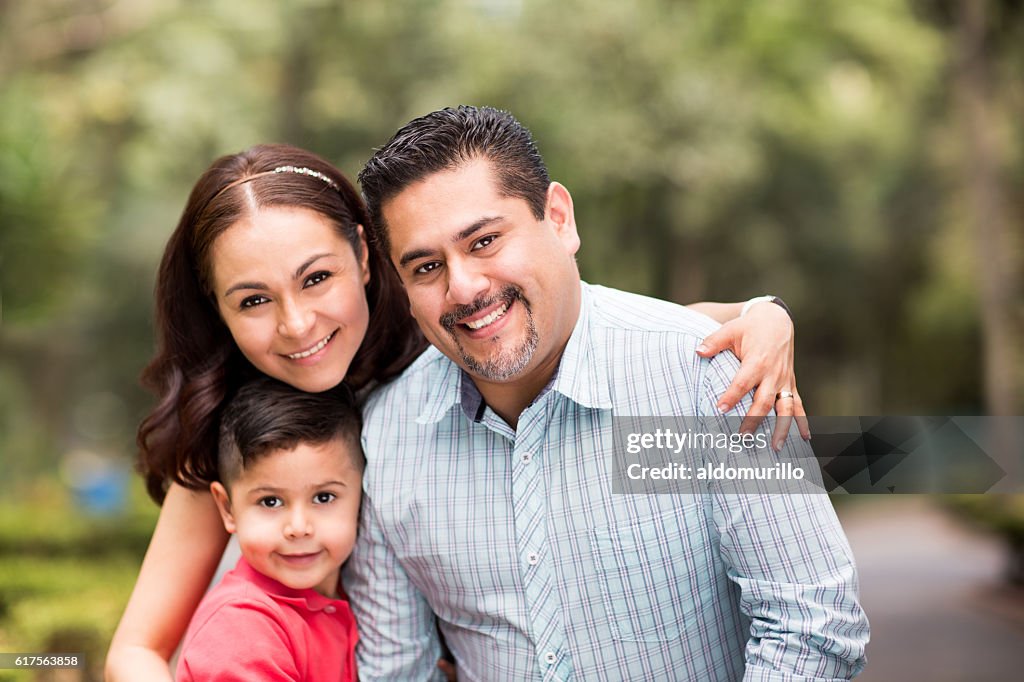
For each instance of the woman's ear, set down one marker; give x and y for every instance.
(223, 500)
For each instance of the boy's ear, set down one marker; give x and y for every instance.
(220, 496)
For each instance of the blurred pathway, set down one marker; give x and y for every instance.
(933, 590)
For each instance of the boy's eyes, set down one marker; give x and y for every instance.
(273, 502)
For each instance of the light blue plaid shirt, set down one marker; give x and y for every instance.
(536, 570)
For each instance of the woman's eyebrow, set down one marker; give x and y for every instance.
(312, 259)
(260, 285)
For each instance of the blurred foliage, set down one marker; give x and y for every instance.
(65, 576)
(1003, 514)
(715, 150)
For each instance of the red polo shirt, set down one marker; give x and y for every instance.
(251, 627)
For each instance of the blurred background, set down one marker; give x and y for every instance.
(863, 160)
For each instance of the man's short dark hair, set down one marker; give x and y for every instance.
(267, 415)
(446, 139)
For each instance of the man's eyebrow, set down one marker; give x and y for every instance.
(260, 285)
(468, 231)
(475, 227)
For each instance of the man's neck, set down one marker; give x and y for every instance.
(509, 399)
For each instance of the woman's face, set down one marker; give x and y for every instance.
(291, 291)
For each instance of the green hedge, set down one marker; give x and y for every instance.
(65, 576)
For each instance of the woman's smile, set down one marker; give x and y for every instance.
(309, 352)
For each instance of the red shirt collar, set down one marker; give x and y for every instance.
(307, 598)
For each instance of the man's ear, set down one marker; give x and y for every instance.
(364, 255)
(559, 212)
(220, 496)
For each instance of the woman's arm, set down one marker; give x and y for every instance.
(764, 341)
(183, 554)
(719, 312)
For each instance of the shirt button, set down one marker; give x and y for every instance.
(329, 609)
(532, 558)
(527, 456)
(550, 658)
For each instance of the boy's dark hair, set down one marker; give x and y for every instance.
(446, 139)
(266, 415)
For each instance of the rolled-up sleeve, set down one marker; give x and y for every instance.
(793, 565)
(798, 585)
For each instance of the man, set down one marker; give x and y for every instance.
(489, 483)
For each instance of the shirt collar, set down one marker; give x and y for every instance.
(581, 375)
(308, 598)
(447, 379)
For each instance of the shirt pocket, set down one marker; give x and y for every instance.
(648, 572)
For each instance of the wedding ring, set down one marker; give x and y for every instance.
(784, 394)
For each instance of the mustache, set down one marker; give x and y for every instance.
(508, 294)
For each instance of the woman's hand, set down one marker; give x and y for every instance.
(764, 341)
(183, 554)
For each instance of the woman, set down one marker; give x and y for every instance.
(269, 271)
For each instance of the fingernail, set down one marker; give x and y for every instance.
(777, 445)
(808, 437)
(722, 407)
(702, 348)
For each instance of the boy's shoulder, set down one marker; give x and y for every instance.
(237, 632)
(243, 631)
(235, 594)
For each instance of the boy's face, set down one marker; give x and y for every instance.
(295, 513)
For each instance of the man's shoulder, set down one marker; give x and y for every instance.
(614, 309)
(646, 351)
(414, 384)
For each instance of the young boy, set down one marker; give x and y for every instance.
(290, 482)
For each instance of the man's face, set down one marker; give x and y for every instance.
(492, 287)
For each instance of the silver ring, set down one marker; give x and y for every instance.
(784, 394)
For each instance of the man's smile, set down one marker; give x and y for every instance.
(487, 319)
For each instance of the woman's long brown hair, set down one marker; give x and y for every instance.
(197, 364)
